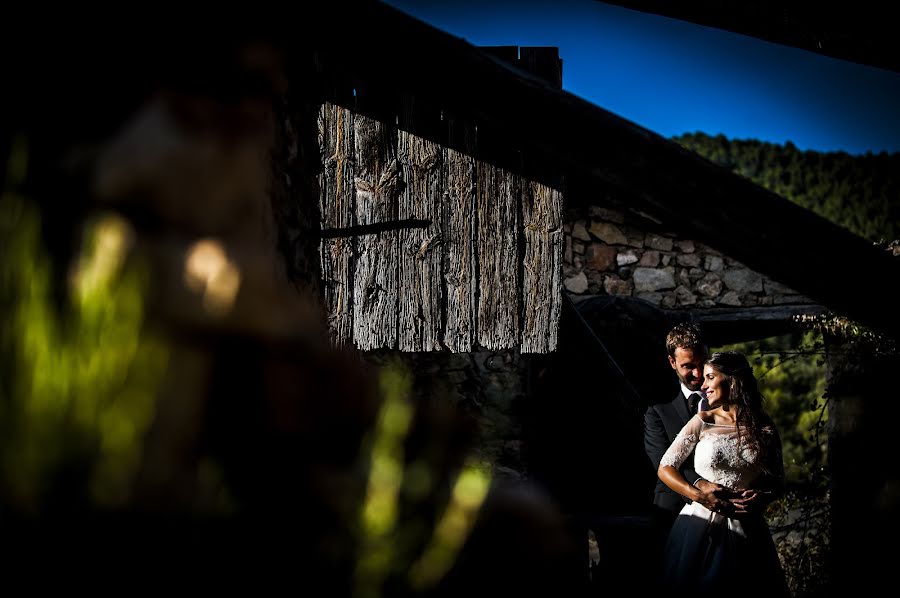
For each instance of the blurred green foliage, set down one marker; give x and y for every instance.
(415, 518)
(78, 369)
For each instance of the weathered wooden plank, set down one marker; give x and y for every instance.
(420, 284)
(376, 182)
(336, 208)
(497, 207)
(541, 285)
(459, 250)
(421, 289)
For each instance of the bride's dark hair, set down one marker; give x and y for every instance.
(743, 392)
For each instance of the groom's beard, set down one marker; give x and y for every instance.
(693, 384)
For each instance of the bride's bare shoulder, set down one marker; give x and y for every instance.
(717, 417)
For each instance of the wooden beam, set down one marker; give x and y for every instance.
(861, 33)
(754, 314)
(724, 326)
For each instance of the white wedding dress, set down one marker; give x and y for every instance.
(709, 551)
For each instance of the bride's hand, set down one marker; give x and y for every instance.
(712, 495)
(751, 501)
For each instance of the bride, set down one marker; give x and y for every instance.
(736, 447)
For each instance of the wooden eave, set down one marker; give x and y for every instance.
(863, 32)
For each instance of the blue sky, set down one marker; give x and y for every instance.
(674, 77)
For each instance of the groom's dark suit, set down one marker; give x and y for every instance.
(662, 422)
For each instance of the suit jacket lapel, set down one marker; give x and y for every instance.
(681, 406)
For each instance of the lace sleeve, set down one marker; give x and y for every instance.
(683, 445)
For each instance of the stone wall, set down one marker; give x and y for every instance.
(609, 252)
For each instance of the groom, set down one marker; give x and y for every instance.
(687, 352)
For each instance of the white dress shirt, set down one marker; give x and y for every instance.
(687, 392)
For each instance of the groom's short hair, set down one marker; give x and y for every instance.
(686, 335)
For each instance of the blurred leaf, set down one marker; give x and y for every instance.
(79, 379)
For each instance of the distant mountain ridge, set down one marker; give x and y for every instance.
(860, 193)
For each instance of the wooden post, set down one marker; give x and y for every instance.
(337, 209)
(420, 285)
(459, 251)
(376, 181)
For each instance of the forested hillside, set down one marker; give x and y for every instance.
(861, 193)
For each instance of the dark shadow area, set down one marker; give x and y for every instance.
(584, 429)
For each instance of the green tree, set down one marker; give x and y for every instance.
(860, 193)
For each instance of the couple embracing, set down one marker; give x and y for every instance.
(718, 458)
